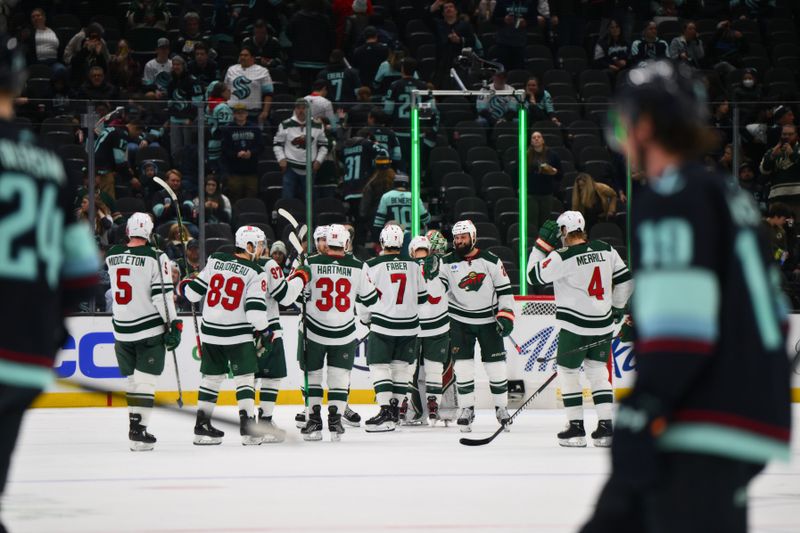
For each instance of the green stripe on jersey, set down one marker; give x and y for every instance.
(324, 332)
(136, 320)
(395, 323)
(232, 332)
(280, 291)
(255, 306)
(434, 323)
(483, 313)
(143, 326)
(583, 322)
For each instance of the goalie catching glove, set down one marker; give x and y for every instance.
(172, 338)
(302, 272)
(549, 237)
(505, 322)
(264, 342)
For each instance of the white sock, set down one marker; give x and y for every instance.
(402, 373)
(314, 389)
(433, 379)
(246, 393)
(602, 393)
(497, 372)
(268, 394)
(381, 376)
(338, 384)
(209, 390)
(465, 382)
(571, 392)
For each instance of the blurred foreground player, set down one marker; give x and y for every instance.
(48, 261)
(710, 406)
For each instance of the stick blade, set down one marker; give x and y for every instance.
(475, 442)
(296, 244)
(163, 184)
(288, 216)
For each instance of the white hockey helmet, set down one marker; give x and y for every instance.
(571, 221)
(320, 232)
(250, 235)
(139, 225)
(337, 236)
(418, 242)
(466, 227)
(391, 236)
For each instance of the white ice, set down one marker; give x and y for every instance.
(73, 472)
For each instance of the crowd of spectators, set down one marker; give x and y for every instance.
(250, 71)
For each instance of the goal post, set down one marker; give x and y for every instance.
(522, 170)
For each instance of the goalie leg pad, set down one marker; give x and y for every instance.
(465, 382)
(209, 390)
(314, 388)
(338, 385)
(246, 393)
(602, 394)
(268, 394)
(571, 392)
(381, 375)
(497, 371)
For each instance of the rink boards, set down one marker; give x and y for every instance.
(88, 356)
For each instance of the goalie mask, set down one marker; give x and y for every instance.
(391, 237)
(438, 244)
(464, 227)
(139, 225)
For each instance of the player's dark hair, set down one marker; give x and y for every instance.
(318, 85)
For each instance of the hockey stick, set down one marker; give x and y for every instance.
(174, 198)
(480, 442)
(298, 247)
(581, 348)
(169, 322)
(260, 429)
(289, 218)
(516, 345)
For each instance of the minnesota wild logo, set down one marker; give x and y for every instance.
(472, 282)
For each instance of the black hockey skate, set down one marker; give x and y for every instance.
(271, 432)
(300, 420)
(602, 436)
(573, 436)
(312, 431)
(335, 423)
(139, 439)
(503, 417)
(465, 419)
(351, 418)
(247, 429)
(204, 433)
(402, 411)
(394, 404)
(383, 421)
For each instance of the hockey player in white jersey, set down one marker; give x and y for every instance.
(336, 282)
(141, 285)
(582, 273)
(481, 307)
(271, 355)
(434, 335)
(233, 289)
(394, 325)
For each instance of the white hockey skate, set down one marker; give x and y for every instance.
(250, 436)
(502, 416)
(465, 419)
(269, 429)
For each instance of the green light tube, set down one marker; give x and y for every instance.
(523, 199)
(414, 171)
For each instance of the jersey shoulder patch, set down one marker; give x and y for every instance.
(598, 246)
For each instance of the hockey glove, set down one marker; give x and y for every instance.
(505, 322)
(549, 237)
(634, 456)
(172, 338)
(264, 342)
(617, 314)
(430, 267)
(302, 272)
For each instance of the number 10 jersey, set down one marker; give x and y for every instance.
(337, 283)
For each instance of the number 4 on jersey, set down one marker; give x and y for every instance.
(596, 285)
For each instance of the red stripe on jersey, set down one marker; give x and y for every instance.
(728, 419)
(675, 345)
(26, 358)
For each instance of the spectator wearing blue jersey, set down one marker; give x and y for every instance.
(396, 205)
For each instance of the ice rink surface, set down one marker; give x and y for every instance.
(73, 472)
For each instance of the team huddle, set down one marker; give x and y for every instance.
(425, 310)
